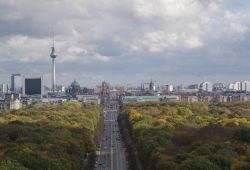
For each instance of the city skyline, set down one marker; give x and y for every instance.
(127, 42)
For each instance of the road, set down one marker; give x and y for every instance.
(111, 154)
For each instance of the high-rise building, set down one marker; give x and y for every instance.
(169, 88)
(236, 86)
(33, 86)
(245, 86)
(16, 83)
(4, 88)
(230, 86)
(53, 56)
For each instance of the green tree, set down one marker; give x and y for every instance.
(221, 161)
(198, 164)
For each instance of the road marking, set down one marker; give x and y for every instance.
(113, 155)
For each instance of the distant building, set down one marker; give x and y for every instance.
(178, 88)
(206, 86)
(104, 92)
(74, 89)
(205, 99)
(188, 90)
(4, 88)
(152, 86)
(218, 87)
(53, 100)
(193, 86)
(33, 86)
(60, 89)
(16, 83)
(174, 98)
(245, 86)
(87, 91)
(88, 99)
(230, 86)
(171, 98)
(236, 86)
(221, 98)
(141, 98)
(239, 98)
(169, 88)
(11, 102)
(189, 99)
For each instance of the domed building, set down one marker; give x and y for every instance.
(74, 88)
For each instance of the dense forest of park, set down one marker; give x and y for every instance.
(169, 136)
(55, 137)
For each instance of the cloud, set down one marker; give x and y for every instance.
(193, 42)
(235, 22)
(130, 39)
(22, 48)
(102, 58)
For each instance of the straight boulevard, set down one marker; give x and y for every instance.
(111, 153)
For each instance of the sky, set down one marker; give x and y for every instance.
(126, 41)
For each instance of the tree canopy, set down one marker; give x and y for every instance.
(40, 137)
(181, 136)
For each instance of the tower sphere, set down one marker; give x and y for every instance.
(53, 52)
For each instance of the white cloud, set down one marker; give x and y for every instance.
(76, 50)
(192, 42)
(167, 8)
(102, 58)
(238, 27)
(158, 41)
(23, 48)
(235, 22)
(111, 34)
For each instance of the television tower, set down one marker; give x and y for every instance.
(53, 56)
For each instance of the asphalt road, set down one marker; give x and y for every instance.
(111, 153)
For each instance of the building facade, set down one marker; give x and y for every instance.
(206, 86)
(11, 102)
(245, 86)
(4, 88)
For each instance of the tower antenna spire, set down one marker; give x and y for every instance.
(53, 36)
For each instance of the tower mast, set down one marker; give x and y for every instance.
(53, 57)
